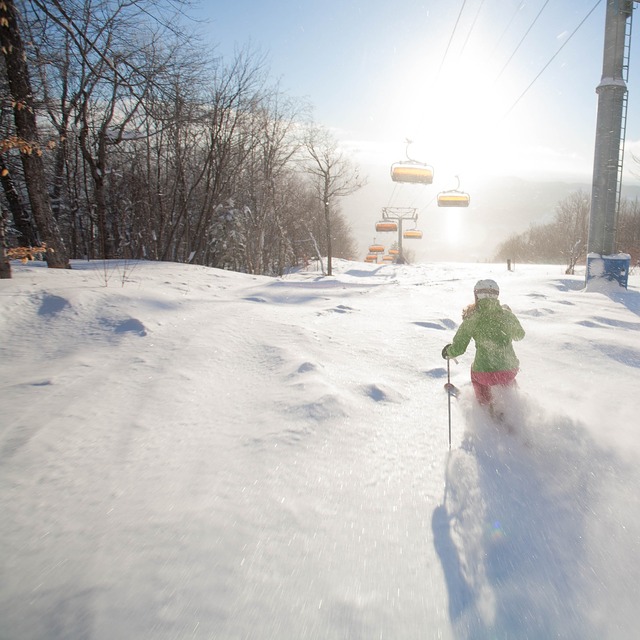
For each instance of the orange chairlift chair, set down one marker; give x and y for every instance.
(454, 197)
(411, 171)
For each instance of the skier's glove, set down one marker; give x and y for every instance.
(444, 352)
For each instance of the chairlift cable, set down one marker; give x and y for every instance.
(506, 64)
(393, 193)
(473, 24)
(553, 57)
(426, 206)
(411, 202)
(506, 29)
(455, 26)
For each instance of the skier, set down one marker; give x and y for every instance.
(493, 327)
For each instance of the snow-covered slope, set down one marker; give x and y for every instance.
(192, 453)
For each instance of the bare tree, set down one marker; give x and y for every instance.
(572, 226)
(27, 136)
(230, 113)
(563, 239)
(111, 60)
(166, 154)
(628, 235)
(266, 183)
(333, 177)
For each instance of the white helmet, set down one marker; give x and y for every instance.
(486, 289)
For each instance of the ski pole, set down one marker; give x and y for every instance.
(449, 398)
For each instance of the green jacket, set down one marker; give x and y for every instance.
(493, 327)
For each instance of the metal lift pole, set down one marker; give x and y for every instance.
(399, 214)
(607, 166)
(401, 259)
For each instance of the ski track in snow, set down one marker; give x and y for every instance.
(193, 453)
(529, 529)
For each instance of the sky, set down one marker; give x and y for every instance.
(193, 453)
(503, 88)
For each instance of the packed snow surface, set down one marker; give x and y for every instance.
(193, 453)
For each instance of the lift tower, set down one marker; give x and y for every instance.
(609, 147)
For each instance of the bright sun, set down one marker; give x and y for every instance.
(458, 122)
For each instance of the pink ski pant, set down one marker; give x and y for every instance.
(483, 381)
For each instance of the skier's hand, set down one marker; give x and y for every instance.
(444, 352)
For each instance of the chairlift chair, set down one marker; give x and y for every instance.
(386, 225)
(411, 170)
(412, 234)
(454, 197)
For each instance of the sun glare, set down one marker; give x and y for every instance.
(458, 118)
(471, 110)
(453, 227)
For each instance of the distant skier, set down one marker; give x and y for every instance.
(493, 327)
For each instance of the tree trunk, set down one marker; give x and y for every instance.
(27, 132)
(327, 222)
(5, 265)
(28, 236)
